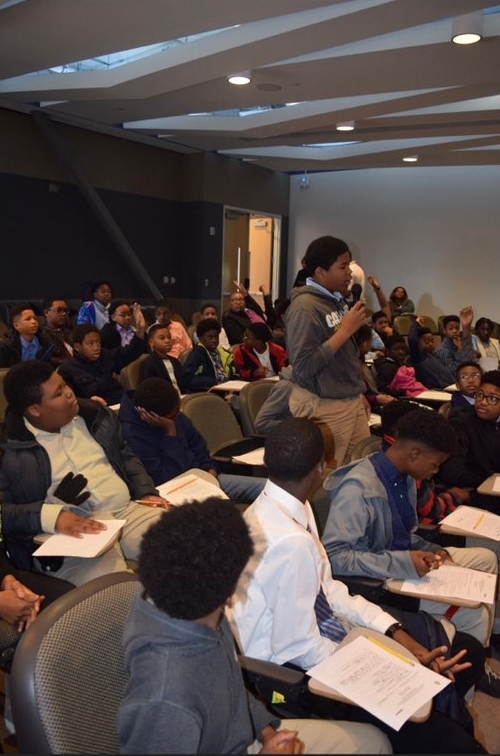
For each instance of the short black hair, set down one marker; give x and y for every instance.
(483, 321)
(392, 412)
(422, 331)
(156, 395)
(467, 363)
(429, 428)
(164, 303)
(363, 333)
(450, 319)
(208, 304)
(323, 252)
(155, 327)
(260, 331)
(379, 314)
(16, 311)
(293, 448)
(191, 559)
(22, 385)
(393, 340)
(102, 282)
(118, 303)
(80, 331)
(492, 377)
(47, 303)
(207, 324)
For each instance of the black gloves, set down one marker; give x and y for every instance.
(70, 489)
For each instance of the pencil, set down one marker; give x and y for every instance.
(391, 650)
(181, 485)
(478, 521)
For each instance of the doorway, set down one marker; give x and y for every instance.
(250, 252)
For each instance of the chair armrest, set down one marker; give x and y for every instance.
(370, 588)
(269, 677)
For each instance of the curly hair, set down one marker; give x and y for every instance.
(83, 329)
(293, 448)
(191, 558)
(207, 324)
(428, 428)
(156, 395)
(492, 377)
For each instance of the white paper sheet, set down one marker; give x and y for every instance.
(472, 521)
(379, 680)
(229, 386)
(254, 457)
(189, 488)
(456, 582)
(89, 545)
(438, 396)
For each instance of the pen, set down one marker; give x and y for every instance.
(391, 650)
(478, 521)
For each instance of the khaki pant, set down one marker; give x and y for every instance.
(346, 419)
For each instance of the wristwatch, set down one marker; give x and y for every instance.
(393, 629)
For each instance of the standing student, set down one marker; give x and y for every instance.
(319, 328)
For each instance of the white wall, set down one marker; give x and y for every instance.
(434, 231)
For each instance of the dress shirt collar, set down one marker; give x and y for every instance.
(332, 294)
(288, 503)
(38, 432)
(392, 475)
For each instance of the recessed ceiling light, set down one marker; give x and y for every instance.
(241, 78)
(468, 29)
(410, 159)
(345, 126)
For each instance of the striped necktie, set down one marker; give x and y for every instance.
(329, 626)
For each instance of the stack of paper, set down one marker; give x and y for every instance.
(450, 583)
(89, 545)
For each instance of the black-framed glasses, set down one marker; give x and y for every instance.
(59, 309)
(468, 376)
(490, 398)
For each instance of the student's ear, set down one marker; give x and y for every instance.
(77, 348)
(414, 453)
(15, 324)
(34, 410)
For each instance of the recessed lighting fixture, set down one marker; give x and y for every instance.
(468, 29)
(241, 78)
(345, 126)
(410, 159)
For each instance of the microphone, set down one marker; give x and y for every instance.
(356, 292)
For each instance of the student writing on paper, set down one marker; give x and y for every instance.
(168, 444)
(372, 520)
(185, 693)
(62, 452)
(288, 608)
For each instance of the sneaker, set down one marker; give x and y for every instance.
(489, 682)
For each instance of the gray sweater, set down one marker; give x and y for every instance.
(185, 692)
(310, 320)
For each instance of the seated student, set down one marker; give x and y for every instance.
(381, 326)
(243, 310)
(95, 310)
(92, 371)
(399, 302)
(185, 692)
(429, 369)
(208, 363)
(61, 452)
(210, 311)
(393, 375)
(277, 405)
(124, 321)
(179, 339)
(478, 453)
(456, 346)
(56, 330)
(258, 356)
(288, 608)
(431, 505)
(467, 380)
(159, 364)
(372, 520)
(27, 342)
(483, 343)
(376, 399)
(168, 444)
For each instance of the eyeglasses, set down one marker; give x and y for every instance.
(59, 309)
(490, 398)
(468, 376)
